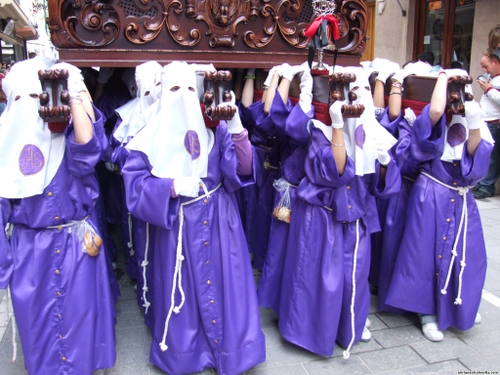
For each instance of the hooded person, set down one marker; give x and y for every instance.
(325, 295)
(132, 116)
(392, 211)
(259, 198)
(441, 275)
(180, 176)
(291, 129)
(48, 200)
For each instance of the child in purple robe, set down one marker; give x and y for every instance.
(441, 263)
(258, 197)
(59, 282)
(180, 177)
(325, 295)
(132, 116)
(268, 148)
(392, 210)
(291, 128)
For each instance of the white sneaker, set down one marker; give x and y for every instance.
(478, 319)
(366, 335)
(430, 328)
(368, 324)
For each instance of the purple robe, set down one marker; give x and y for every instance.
(295, 126)
(317, 278)
(61, 296)
(118, 157)
(260, 196)
(218, 325)
(137, 236)
(392, 211)
(433, 218)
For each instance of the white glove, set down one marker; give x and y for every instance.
(366, 64)
(419, 68)
(455, 72)
(336, 114)
(105, 74)
(234, 126)
(187, 186)
(382, 154)
(75, 80)
(203, 67)
(269, 78)
(251, 72)
(388, 68)
(289, 72)
(282, 68)
(305, 96)
(401, 74)
(76, 84)
(409, 116)
(301, 68)
(473, 114)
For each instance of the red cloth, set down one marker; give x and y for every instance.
(415, 105)
(313, 27)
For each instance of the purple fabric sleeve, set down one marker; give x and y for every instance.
(243, 152)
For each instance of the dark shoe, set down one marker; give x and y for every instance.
(481, 194)
(475, 188)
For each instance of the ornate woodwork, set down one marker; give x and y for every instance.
(228, 33)
(217, 86)
(54, 99)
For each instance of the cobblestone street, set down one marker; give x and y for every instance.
(397, 347)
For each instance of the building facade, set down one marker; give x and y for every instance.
(456, 31)
(16, 28)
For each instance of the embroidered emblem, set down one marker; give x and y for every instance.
(192, 144)
(457, 134)
(360, 136)
(31, 160)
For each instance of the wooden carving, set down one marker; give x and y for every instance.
(54, 99)
(339, 86)
(457, 95)
(229, 33)
(217, 92)
(339, 90)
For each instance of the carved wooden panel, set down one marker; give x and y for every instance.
(228, 33)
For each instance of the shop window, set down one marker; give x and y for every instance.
(444, 27)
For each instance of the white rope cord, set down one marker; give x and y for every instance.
(347, 352)
(177, 280)
(12, 317)
(458, 300)
(144, 265)
(462, 227)
(130, 243)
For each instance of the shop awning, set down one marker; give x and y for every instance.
(10, 9)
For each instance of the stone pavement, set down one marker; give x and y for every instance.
(397, 346)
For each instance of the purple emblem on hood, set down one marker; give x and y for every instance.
(457, 134)
(192, 144)
(359, 136)
(31, 160)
